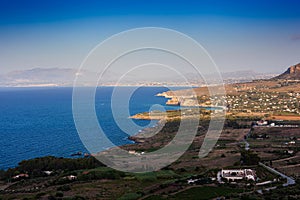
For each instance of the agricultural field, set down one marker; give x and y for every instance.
(278, 147)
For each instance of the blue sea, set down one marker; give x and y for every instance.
(36, 122)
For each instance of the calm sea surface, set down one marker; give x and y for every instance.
(37, 122)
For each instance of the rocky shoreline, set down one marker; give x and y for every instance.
(147, 132)
(179, 100)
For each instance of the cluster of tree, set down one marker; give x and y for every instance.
(232, 122)
(171, 126)
(249, 157)
(110, 174)
(237, 124)
(36, 167)
(255, 136)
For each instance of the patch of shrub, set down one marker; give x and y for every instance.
(59, 194)
(64, 188)
(130, 196)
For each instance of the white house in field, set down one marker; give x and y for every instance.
(238, 174)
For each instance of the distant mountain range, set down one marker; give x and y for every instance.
(65, 77)
(39, 77)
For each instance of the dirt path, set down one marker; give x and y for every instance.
(283, 159)
(287, 117)
(4, 187)
(289, 166)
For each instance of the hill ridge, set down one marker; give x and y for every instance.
(293, 72)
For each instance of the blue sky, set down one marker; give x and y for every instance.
(239, 35)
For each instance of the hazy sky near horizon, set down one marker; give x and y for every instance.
(263, 35)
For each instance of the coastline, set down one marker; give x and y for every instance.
(147, 132)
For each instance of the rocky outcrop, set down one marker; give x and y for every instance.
(294, 69)
(292, 73)
(173, 102)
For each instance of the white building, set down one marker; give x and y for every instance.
(262, 123)
(238, 174)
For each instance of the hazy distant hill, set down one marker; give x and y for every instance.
(247, 74)
(66, 76)
(292, 73)
(238, 76)
(40, 77)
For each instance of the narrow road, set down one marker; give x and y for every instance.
(247, 145)
(290, 181)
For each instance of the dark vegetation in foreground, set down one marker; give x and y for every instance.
(36, 167)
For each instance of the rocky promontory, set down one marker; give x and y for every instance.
(292, 73)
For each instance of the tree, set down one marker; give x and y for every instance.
(249, 158)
